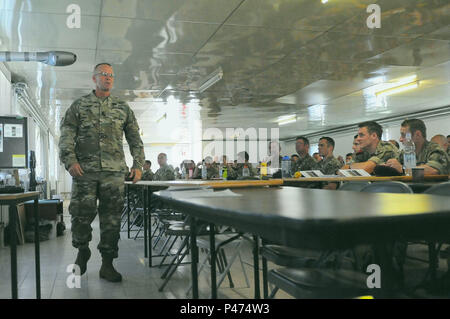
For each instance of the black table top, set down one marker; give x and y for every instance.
(324, 219)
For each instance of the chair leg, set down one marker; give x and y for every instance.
(273, 293)
(184, 243)
(173, 270)
(168, 251)
(224, 258)
(264, 278)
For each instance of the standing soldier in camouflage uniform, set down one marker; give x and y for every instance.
(330, 164)
(147, 175)
(91, 149)
(305, 162)
(429, 156)
(165, 171)
(369, 139)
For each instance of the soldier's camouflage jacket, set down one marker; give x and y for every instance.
(329, 165)
(92, 135)
(432, 155)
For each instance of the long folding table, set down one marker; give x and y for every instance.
(322, 219)
(149, 187)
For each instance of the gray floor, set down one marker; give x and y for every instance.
(140, 281)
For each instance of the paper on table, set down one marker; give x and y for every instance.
(199, 193)
(187, 188)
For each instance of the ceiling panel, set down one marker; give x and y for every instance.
(402, 18)
(256, 41)
(87, 7)
(155, 36)
(318, 61)
(19, 29)
(420, 52)
(205, 11)
(296, 14)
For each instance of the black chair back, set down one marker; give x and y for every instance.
(353, 186)
(387, 187)
(439, 189)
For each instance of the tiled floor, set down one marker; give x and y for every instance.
(140, 281)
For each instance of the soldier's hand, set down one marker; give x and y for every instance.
(395, 164)
(76, 170)
(136, 175)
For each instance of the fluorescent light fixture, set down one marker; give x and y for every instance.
(400, 85)
(286, 119)
(324, 1)
(398, 89)
(212, 79)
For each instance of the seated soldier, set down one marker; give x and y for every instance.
(330, 164)
(369, 139)
(429, 156)
(147, 174)
(242, 163)
(211, 170)
(165, 171)
(305, 161)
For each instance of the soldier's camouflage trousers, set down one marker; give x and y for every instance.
(108, 188)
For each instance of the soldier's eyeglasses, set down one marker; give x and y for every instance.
(111, 75)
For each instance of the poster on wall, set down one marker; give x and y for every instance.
(1, 137)
(13, 130)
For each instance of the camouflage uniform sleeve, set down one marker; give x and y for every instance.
(383, 153)
(67, 140)
(131, 129)
(438, 160)
(169, 174)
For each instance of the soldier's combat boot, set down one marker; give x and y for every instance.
(108, 272)
(82, 258)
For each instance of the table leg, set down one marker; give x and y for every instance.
(194, 257)
(36, 250)
(383, 257)
(256, 265)
(212, 249)
(13, 248)
(128, 209)
(150, 246)
(144, 195)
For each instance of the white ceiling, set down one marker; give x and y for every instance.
(279, 57)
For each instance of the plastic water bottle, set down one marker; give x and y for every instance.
(286, 167)
(204, 171)
(263, 169)
(183, 172)
(220, 171)
(245, 171)
(225, 173)
(409, 156)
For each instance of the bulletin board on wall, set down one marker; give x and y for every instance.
(13, 142)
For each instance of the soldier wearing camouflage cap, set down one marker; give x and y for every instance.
(91, 148)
